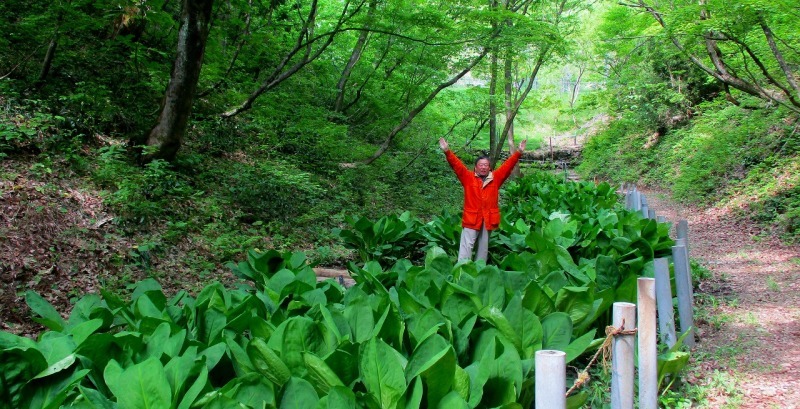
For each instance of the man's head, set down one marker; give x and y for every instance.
(483, 166)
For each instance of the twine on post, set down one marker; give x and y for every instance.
(605, 349)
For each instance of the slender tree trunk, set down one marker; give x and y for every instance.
(166, 136)
(493, 145)
(543, 55)
(358, 49)
(509, 102)
(787, 71)
(47, 63)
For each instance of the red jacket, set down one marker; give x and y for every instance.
(481, 197)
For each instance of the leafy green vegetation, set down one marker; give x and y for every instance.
(678, 130)
(404, 334)
(312, 126)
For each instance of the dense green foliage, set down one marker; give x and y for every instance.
(314, 98)
(679, 130)
(424, 334)
(293, 100)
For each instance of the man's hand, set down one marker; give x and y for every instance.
(443, 144)
(522, 145)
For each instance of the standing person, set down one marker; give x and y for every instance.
(481, 195)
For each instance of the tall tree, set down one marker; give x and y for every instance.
(735, 43)
(165, 138)
(534, 32)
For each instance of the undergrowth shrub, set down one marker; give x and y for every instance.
(272, 191)
(141, 195)
(616, 152)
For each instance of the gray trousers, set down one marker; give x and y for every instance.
(468, 238)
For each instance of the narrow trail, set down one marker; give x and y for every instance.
(749, 331)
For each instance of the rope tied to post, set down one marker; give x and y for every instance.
(605, 349)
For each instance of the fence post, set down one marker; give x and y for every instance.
(661, 219)
(629, 194)
(651, 214)
(551, 385)
(682, 230)
(666, 311)
(647, 343)
(683, 287)
(645, 211)
(685, 243)
(622, 360)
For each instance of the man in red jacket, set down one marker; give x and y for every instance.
(481, 195)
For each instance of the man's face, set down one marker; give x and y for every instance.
(482, 168)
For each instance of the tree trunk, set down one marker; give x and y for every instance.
(509, 98)
(48, 60)
(168, 133)
(720, 70)
(494, 149)
(358, 49)
(47, 63)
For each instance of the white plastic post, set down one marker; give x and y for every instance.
(651, 214)
(683, 287)
(645, 211)
(551, 379)
(637, 200)
(666, 312)
(661, 219)
(622, 360)
(647, 343)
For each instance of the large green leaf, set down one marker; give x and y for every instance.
(575, 301)
(254, 391)
(140, 386)
(339, 397)
(92, 399)
(557, 329)
(50, 318)
(452, 401)
(179, 369)
(421, 326)
(382, 373)
(298, 394)
(536, 300)
(199, 384)
(360, 319)
(320, 375)
(495, 317)
(80, 332)
(526, 324)
(51, 391)
(414, 394)
(490, 287)
(435, 360)
(577, 347)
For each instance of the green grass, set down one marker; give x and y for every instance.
(772, 285)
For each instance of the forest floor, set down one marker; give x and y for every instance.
(747, 311)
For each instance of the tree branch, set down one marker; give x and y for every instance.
(414, 112)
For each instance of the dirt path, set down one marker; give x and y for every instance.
(749, 310)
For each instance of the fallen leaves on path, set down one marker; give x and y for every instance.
(752, 330)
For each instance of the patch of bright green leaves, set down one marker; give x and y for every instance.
(414, 334)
